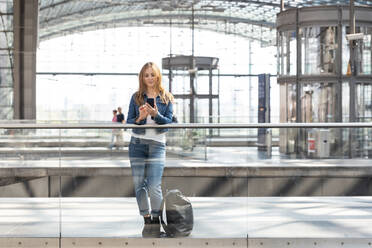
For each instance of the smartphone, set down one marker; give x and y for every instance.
(150, 101)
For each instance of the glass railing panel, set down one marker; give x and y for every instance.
(97, 190)
(82, 180)
(221, 176)
(28, 200)
(187, 143)
(212, 175)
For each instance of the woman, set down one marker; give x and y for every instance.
(147, 146)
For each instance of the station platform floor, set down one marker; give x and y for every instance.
(220, 162)
(202, 156)
(241, 159)
(227, 221)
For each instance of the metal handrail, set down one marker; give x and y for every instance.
(186, 125)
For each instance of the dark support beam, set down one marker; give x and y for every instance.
(352, 62)
(193, 68)
(198, 96)
(299, 135)
(339, 112)
(298, 69)
(339, 67)
(136, 74)
(170, 55)
(210, 100)
(25, 43)
(192, 96)
(352, 78)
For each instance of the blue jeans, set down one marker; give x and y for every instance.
(147, 159)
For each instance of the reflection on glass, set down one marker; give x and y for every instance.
(366, 51)
(287, 53)
(318, 102)
(287, 114)
(363, 51)
(345, 51)
(364, 102)
(345, 101)
(291, 103)
(6, 96)
(319, 45)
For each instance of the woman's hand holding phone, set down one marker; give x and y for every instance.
(147, 109)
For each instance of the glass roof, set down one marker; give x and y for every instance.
(254, 19)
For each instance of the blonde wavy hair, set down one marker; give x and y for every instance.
(165, 96)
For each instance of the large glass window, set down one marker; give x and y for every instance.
(125, 50)
(6, 59)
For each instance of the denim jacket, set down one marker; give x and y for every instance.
(164, 116)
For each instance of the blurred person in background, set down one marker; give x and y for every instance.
(114, 131)
(120, 119)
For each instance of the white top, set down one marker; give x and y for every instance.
(150, 133)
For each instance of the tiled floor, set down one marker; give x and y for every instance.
(230, 217)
